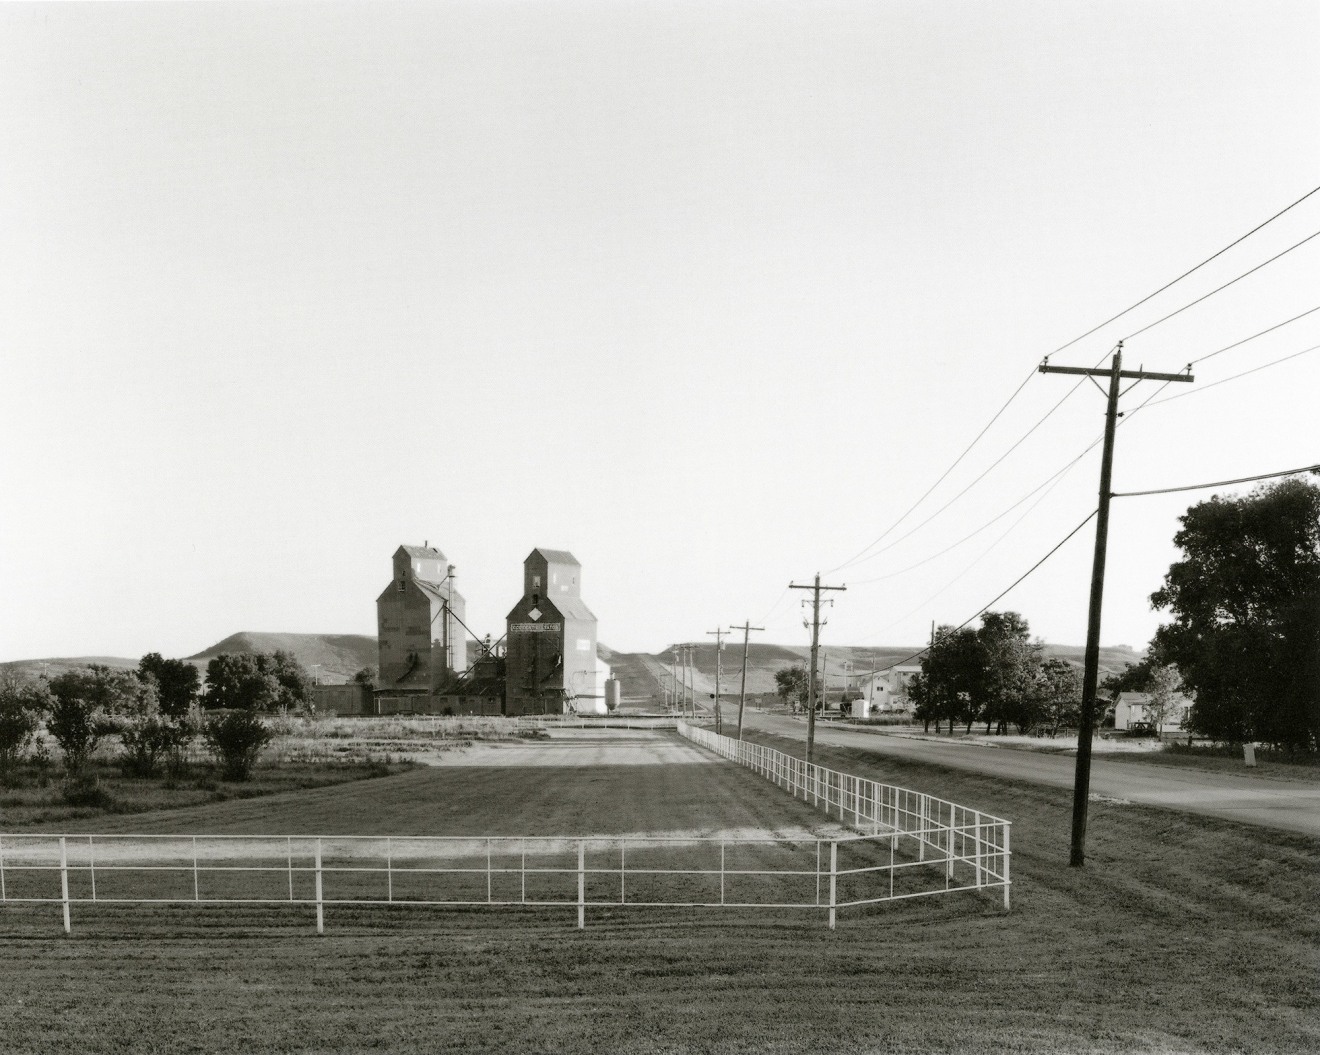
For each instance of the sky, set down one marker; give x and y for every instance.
(709, 294)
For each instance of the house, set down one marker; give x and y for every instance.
(885, 690)
(1131, 712)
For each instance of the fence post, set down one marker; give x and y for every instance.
(921, 827)
(320, 908)
(980, 872)
(3, 895)
(64, 882)
(834, 876)
(721, 871)
(196, 896)
(91, 861)
(582, 885)
(487, 870)
(389, 869)
(1007, 856)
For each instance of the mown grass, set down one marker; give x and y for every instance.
(1182, 934)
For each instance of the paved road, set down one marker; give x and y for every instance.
(1290, 805)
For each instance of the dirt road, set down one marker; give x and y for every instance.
(1287, 805)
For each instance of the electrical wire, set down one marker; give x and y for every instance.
(1234, 377)
(1217, 483)
(1238, 344)
(1057, 546)
(1225, 286)
(853, 559)
(1198, 267)
(1048, 485)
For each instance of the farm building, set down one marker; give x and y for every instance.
(550, 650)
(885, 690)
(1132, 712)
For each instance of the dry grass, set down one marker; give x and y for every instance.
(1181, 935)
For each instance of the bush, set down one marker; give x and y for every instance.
(236, 739)
(21, 706)
(86, 790)
(149, 737)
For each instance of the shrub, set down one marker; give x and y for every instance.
(149, 737)
(236, 739)
(86, 790)
(21, 706)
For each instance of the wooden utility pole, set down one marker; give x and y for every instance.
(747, 629)
(673, 679)
(815, 651)
(689, 692)
(1091, 669)
(719, 649)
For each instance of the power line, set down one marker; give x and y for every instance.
(943, 476)
(999, 596)
(1238, 344)
(1217, 483)
(1234, 377)
(1225, 286)
(1186, 273)
(1047, 485)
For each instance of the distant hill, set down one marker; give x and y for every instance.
(342, 654)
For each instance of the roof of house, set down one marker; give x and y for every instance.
(554, 556)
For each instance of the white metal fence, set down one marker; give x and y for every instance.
(938, 829)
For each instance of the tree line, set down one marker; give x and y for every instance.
(157, 712)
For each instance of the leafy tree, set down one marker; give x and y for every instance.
(257, 681)
(1163, 686)
(148, 734)
(85, 702)
(22, 703)
(1012, 664)
(1135, 677)
(236, 681)
(236, 739)
(791, 686)
(1245, 601)
(952, 680)
(366, 676)
(178, 682)
(1056, 697)
(295, 682)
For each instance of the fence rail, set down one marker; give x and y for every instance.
(941, 830)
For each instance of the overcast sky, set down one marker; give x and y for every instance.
(707, 293)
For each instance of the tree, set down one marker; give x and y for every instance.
(236, 681)
(1012, 664)
(951, 683)
(1056, 699)
(295, 682)
(178, 682)
(1163, 686)
(366, 676)
(1245, 601)
(1135, 677)
(236, 739)
(791, 686)
(85, 702)
(22, 703)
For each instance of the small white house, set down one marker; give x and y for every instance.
(1131, 710)
(886, 690)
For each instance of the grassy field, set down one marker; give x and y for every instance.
(1180, 935)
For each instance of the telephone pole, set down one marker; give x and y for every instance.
(815, 650)
(1091, 669)
(747, 629)
(689, 690)
(719, 648)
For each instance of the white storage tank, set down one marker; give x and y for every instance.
(613, 694)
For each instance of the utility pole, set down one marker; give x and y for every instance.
(673, 680)
(1091, 669)
(689, 696)
(815, 650)
(747, 629)
(719, 649)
